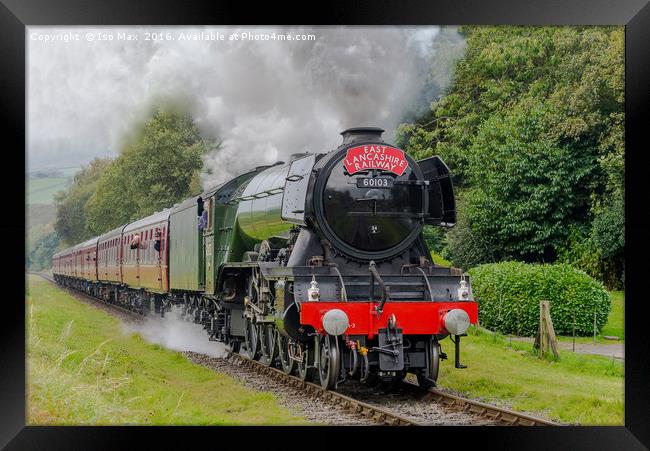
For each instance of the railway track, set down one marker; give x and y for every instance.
(375, 413)
(96, 301)
(500, 414)
(493, 414)
(483, 412)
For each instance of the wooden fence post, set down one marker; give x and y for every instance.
(545, 332)
(550, 330)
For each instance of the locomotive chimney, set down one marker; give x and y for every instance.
(359, 134)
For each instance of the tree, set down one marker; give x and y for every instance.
(527, 186)
(157, 170)
(70, 222)
(464, 247)
(434, 237)
(41, 251)
(532, 128)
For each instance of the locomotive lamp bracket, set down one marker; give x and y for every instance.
(457, 351)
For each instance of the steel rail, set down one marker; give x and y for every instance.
(361, 408)
(500, 414)
(481, 409)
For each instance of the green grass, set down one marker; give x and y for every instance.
(42, 190)
(579, 388)
(616, 320)
(83, 369)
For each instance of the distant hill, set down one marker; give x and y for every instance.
(42, 190)
(43, 184)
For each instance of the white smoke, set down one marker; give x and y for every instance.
(304, 95)
(264, 99)
(173, 332)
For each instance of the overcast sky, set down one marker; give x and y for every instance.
(89, 88)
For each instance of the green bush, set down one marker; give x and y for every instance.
(509, 293)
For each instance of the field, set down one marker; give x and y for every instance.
(42, 190)
(579, 388)
(615, 323)
(83, 369)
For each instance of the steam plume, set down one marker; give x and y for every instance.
(264, 99)
(175, 333)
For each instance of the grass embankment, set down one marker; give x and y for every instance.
(579, 388)
(82, 369)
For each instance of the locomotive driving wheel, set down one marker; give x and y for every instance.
(268, 343)
(329, 362)
(252, 340)
(428, 378)
(252, 334)
(306, 368)
(284, 352)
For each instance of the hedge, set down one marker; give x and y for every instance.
(509, 293)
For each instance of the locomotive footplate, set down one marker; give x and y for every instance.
(390, 350)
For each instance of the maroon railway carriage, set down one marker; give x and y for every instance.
(109, 256)
(128, 265)
(144, 266)
(86, 260)
(77, 266)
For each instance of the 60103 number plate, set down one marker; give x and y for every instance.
(374, 182)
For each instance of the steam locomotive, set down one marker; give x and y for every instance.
(317, 265)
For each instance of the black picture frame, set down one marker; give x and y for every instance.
(15, 15)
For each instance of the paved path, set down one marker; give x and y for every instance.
(615, 349)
